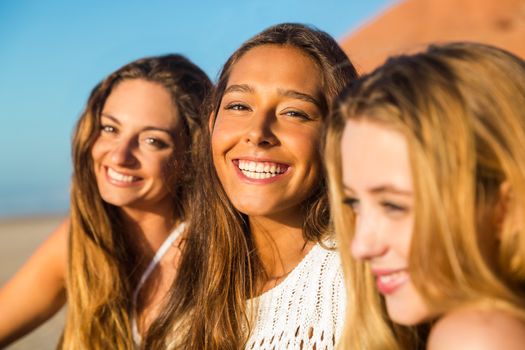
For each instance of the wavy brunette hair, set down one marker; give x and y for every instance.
(461, 108)
(101, 260)
(220, 267)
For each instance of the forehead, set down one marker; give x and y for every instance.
(140, 101)
(277, 64)
(374, 155)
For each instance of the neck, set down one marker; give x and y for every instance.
(280, 244)
(148, 229)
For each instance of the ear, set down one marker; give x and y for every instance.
(211, 121)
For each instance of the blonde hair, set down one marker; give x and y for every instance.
(461, 107)
(101, 260)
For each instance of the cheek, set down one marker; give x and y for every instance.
(97, 150)
(403, 230)
(223, 134)
(304, 143)
(223, 139)
(307, 151)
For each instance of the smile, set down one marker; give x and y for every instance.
(389, 282)
(115, 176)
(260, 170)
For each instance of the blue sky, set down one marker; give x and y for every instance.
(53, 52)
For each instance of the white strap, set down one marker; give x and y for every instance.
(153, 263)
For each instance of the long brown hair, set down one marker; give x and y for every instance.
(101, 260)
(461, 108)
(220, 265)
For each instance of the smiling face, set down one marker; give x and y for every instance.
(266, 134)
(138, 140)
(378, 187)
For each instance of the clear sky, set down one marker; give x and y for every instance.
(53, 52)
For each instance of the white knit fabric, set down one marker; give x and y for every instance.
(306, 310)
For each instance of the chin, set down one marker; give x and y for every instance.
(118, 202)
(409, 315)
(251, 207)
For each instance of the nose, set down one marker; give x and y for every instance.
(259, 131)
(367, 243)
(122, 152)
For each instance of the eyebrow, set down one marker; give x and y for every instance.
(239, 88)
(109, 116)
(300, 96)
(245, 88)
(390, 189)
(147, 128)
(383, 189)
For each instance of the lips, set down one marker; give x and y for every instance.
(121, 179)
(388, 281)
(260, 170)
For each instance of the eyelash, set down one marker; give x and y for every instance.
(150, 141)
(155, 143)
(297, 114)
(107, 128)
(391, 207)
(237, 107)
(352, 203)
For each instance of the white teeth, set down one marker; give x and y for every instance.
(260, 170)
(390, 277)
(255, 175)
(120, 177)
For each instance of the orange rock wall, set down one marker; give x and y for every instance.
(410, 25)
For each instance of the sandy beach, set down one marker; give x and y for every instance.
(18, 239)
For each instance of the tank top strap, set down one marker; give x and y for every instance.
(137, 338)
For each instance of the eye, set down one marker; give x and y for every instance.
(108, 129)
(297, 114)
(352, 203)
(393, 208)
(156, 143)
(236, 106)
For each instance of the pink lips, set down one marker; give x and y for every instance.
(388, 281)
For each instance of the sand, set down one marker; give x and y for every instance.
(18, 239)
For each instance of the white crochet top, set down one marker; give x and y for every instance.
(306, 310)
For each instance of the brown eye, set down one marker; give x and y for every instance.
(236, 107)
(159, 144)
(297, 114)
(108, 129)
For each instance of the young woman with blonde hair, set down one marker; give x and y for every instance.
(114, 260)
(427, 181)
(257, 271)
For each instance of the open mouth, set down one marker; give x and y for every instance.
(388, 282)
(260, 170)
(115, 176)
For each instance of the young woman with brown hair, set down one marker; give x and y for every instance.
(258, 270)
(427, 181)
(114, 260)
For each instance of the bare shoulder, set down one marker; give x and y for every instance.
(37, 290)
(477, 329)
(61, 233)
(54, 250)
